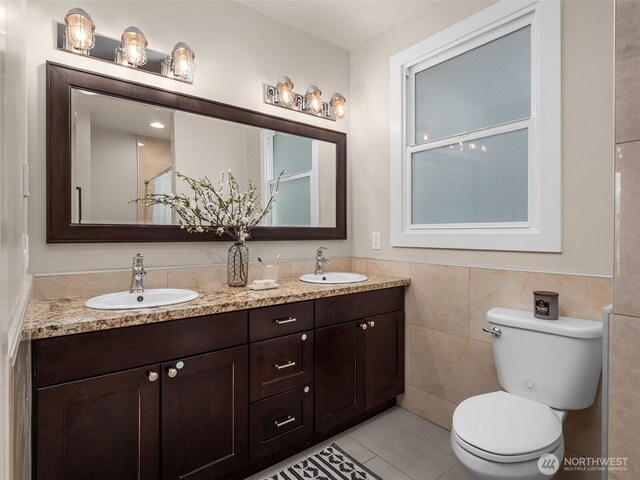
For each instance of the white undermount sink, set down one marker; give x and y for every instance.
(334, 277)
(149, 298)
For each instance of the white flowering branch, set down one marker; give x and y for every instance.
(224, 209)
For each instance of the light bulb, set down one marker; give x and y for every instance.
(79, 30)
(285, 90)
(183, 61)
(134, 46)
(313, 98)
(339, 104)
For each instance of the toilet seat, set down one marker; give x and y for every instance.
(506, 428)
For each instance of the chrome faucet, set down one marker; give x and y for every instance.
(320, 260)
(137, 274)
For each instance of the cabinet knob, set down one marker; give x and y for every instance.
(153, 376)
(363, 326)
(172, 372)
(371, 323)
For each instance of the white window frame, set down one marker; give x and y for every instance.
(542, 231)
(269, 177)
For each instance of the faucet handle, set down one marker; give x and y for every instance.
(320, 250)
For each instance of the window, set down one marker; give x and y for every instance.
(475, 133)
(298, 196)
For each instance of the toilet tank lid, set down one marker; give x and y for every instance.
(564, 326)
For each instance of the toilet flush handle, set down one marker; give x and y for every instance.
(495, 331)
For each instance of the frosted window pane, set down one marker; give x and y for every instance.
(483, 87)
(482, 181)
(293, 205)
(291, 154)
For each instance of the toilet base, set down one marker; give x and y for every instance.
(482, 469)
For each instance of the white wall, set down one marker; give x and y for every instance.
(587, 137)
(114, 176)
(13, 152)
(208, 146)
(237, 49)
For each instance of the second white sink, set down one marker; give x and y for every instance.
(334, 277)
(149, 298)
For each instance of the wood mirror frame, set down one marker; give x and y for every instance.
(60, 81)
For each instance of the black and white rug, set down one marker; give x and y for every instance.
(332, 463)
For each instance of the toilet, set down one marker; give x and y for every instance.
(546, 368)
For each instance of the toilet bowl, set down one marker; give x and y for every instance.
(545, 368)
(502, 436)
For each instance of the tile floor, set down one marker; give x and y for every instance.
(396, 445)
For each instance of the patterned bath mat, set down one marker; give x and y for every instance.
(332, 463)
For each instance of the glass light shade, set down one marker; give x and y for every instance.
(285, 91)
(182, 59)
(339, 105)
(134, 46)
(79, 30)
(313, 97)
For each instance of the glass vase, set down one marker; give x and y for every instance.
(238, 265)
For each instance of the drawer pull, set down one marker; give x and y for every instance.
(282, 321)
(289, 364)
(289, 419)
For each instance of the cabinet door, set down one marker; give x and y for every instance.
(205, 415)
(104, 427)
(384, 371)
(340, 385)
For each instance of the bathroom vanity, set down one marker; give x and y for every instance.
(219, 388)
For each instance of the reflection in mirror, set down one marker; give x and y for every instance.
(122, 150)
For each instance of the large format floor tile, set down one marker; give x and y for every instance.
(395, 445)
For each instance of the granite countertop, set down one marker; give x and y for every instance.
(66, 316)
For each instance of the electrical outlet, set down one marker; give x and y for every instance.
(375, 240)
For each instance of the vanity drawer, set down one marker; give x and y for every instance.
(344, 308)
(280, 364)
(281, 421)
(279, 320)
(73, 357)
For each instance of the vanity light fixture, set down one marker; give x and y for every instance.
(77, 35)
(282, 95)
(134, 47)
(180, 64)
(79, 31)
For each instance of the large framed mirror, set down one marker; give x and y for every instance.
(110, 141)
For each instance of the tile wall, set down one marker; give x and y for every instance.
(624, 331)
(449, 357)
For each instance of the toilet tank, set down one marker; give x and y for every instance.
(555, 362)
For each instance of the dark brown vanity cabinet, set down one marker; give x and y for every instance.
(359, 363)
(217, 396)
(282, 375)
(184, 415)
